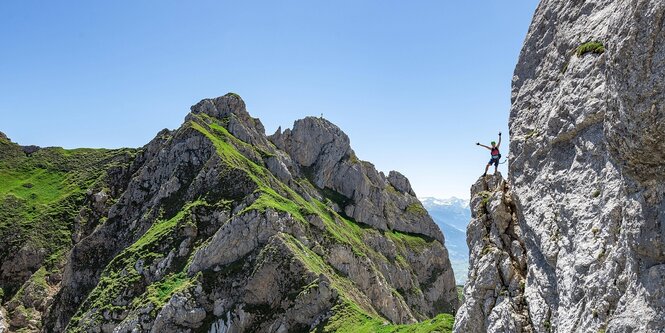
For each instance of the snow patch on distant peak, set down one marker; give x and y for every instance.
(452, 201)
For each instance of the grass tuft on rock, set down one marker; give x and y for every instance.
(590, 47)
(416, 209)
(160, 292)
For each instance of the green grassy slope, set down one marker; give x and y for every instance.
(41, 194)
(349, 319)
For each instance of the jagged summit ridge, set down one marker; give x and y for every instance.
(312, 140)
(216, 226)
(321, 151)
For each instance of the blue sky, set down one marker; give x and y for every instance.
(414, 84)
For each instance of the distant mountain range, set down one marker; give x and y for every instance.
(452, 216)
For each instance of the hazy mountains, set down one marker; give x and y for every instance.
(452, 216)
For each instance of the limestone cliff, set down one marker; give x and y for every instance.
(587, 174)
(216, 227)
(494, 292)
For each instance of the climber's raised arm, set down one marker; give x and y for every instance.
(482, 145)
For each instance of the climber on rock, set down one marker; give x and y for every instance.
(496, 155)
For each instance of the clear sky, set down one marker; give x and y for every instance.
(413, 83)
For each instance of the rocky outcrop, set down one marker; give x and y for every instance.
(29, 150)
(587, 165)
(232, 112)
(322, 152)
(494, 292)
(217, 227)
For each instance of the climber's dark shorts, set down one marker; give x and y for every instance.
(494, 161)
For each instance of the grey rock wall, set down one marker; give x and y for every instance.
(494, 292)
(587, 166)
(322, 152)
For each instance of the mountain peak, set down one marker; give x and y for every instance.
(322, 152)
(451, 201)
(215, 211)
(231, 112)
(222, 106)
(311, 138)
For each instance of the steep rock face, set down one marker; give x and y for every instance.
(323, 152)
(216, 227)
(494, 292)
(587, 166)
